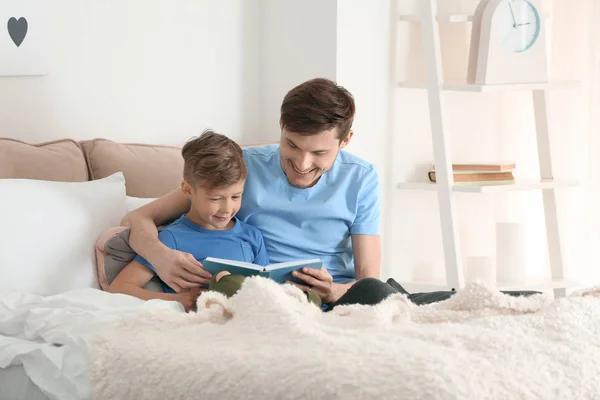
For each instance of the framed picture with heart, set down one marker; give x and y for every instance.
(23, 37)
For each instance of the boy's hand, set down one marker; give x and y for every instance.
(179, 270)
(188, 299)
(320, 282)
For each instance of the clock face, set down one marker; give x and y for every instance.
(516, 25)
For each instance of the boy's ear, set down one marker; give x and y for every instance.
(186, 189)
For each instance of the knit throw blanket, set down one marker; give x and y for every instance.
(268, 342)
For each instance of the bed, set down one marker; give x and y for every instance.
(61, 337)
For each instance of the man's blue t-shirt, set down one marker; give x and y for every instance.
(316, 222)
(241, 243)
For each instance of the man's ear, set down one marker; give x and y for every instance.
(347, 139)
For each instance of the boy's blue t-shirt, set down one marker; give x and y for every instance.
(241, 243)
(316, 222)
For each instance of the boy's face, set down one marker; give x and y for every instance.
(214, 208)
(305, 158)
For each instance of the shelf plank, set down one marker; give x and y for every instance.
(465, 87)
(539, 284)
(520, 184)
(455, 18)
(524, 284)
(452, 18)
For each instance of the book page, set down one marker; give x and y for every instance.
(225, 262)
(312, 263)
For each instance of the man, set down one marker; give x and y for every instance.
(310, 199)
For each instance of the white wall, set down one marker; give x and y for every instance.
(297, 43)
(576, 146)
(140, 70)
(363, 67)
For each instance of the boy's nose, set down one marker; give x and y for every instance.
(227, 208)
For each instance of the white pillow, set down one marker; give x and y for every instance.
(48, 231)
(137, 202)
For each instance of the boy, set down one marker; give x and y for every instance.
(213, 181)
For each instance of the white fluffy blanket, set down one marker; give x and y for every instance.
(268, 342)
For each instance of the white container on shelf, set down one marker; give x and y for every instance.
(510, 251)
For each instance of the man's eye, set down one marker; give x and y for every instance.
(292, 145)
(215, 199)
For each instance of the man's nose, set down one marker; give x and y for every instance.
(303, 162)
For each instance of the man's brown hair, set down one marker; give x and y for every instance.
(213, 161)
(318, 105)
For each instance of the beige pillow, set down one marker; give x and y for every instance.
(60, 160)
(150, 170)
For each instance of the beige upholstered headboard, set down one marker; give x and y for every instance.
(60, 160)
(150, 170)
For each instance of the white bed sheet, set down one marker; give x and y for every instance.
(16, 385)
(48, 338)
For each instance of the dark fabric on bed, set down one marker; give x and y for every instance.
(371, 291)
(368, 291)
(375, 291)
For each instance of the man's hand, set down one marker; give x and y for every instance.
(181, 271)
(320, 282)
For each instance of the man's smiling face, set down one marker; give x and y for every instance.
(304, 158)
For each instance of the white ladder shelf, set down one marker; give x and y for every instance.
(445, 187)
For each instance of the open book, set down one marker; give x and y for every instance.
(279, 272)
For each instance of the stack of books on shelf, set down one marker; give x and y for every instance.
(480, 174)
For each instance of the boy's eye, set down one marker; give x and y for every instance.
(235, 197)
(215, 199)
(292, 145)
(319, 153)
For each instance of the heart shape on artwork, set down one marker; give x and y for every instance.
(17, 29)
